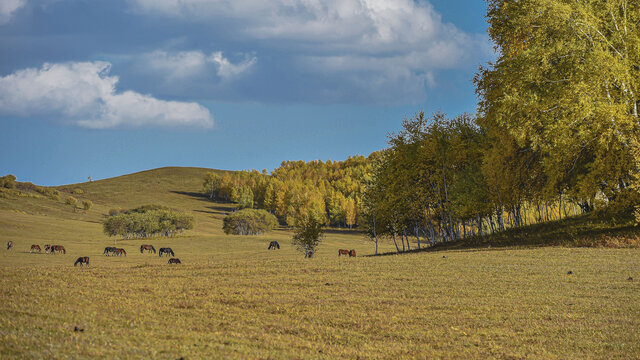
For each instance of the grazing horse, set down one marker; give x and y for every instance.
(343, 252)
(174, 261)
(10, 245)
(352, 253)
(58, 248)
(274, 245)
(167, 251)
(34, 248)
(82, 260)
(121, 252)
(108, 250)
(149, 248)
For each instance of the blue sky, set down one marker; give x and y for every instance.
(104, 88)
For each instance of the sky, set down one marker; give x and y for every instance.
(103, 88)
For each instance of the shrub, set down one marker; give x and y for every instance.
(71, 201)
(77, 191)
(147, 221)
(8, 181)
(249, 222)
(87, 204)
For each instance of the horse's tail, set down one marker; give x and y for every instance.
(87, 261)
(154, 249)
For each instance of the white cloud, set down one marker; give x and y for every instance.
(362, 42)
(8, 7)
(184, 64)
(84, 94)
(228, 70)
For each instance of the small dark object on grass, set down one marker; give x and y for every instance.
(78, 329)
(327, 284)
(444, 257)
(630, 278)
(570, 272)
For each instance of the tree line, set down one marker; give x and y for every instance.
(332, 189)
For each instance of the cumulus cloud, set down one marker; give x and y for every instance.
(84, 94)
(185, 64)
(371, 45)
(8, 7)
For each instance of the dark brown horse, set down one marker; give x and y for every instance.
(109, 250)
(352, 253)
(174, 261)
(58, 248)
(35, 248)
(149, 248)
(10, 245)
(121, 252)
(167, 251)
(82, 260)
(273, 245)
(343, 252)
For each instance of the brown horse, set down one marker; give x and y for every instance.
(58, 248)
(35, 248)
(352, 253)
(82, 260)
(149, 248)
(343, 252)
(10, 245)
(174, 261)
(121, 252)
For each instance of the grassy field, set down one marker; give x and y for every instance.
(231, 298)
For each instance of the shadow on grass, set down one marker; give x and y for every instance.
(579, 231)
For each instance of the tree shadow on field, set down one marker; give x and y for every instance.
(195, 195)
(218, 210)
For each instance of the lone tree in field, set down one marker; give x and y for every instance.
(308, 232)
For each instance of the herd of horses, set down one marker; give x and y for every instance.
(114, 251)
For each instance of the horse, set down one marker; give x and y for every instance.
(34, 248)
(108, 250)
(166, 251)
(82, 260)
(343, 252)
(274, 245)
(121, 252)
(174, 261)
(352, 253)
(58, 248)
(10, 245)
(149, 248)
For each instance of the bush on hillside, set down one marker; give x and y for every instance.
(8, 181)
(249, 222)
(147, 221)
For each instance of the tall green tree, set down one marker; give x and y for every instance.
(566, 85)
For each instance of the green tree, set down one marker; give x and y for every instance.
(308, 232)
(567, 86)
(211, 184)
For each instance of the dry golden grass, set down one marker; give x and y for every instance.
(231, 298)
